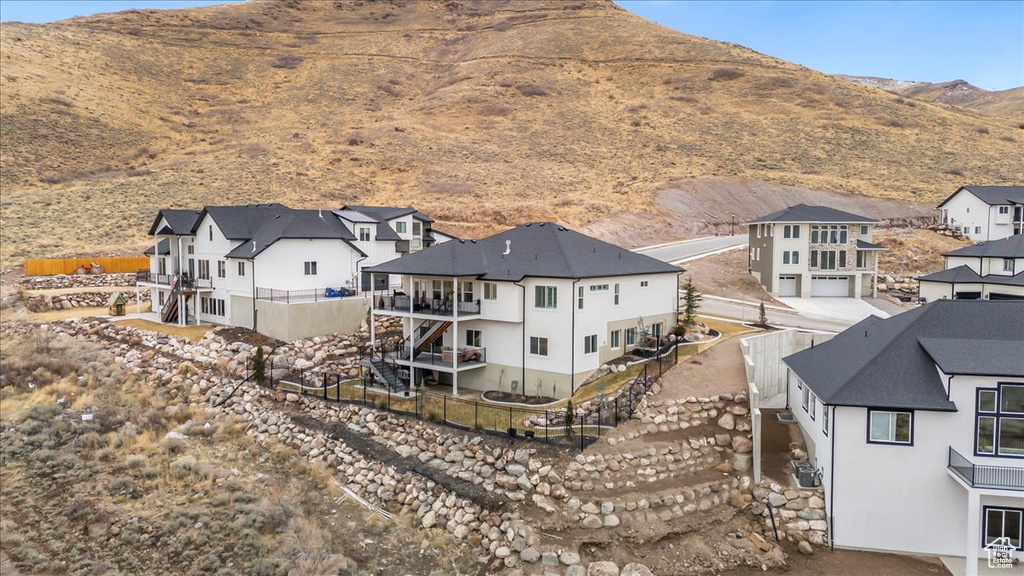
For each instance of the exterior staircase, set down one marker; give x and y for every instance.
(431, 331)
(386, 374)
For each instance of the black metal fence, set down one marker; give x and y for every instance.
(1005, 477)
(553, 426)
(299, 296)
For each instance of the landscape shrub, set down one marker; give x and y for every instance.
(726, 74)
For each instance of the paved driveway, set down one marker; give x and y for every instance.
(848, 309)
(676, 251)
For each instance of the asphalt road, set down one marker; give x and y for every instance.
(690, 248)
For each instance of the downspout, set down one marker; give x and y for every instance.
(832, 484)
(360, 278)
(254, 311)
(949, 386)
(523, 339)
(572, 341)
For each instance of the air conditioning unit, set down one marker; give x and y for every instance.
(806, 478)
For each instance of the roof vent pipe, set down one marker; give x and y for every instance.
(320, 212)
(253, 245)
(508, 248)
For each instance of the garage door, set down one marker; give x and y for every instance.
(830, 286)
(968, 295)
(998, 296)
(787, 286)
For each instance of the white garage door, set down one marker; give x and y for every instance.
(787, 286)
(830, 286)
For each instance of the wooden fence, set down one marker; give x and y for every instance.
(53, 266)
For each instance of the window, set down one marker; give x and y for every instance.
(473, 338)
(814, 258)
(967, 230)
(191, 249)
(1007, 264)
(757, 254)
(309, 268)
(417, 227)
(1003, 523)
(490, 291)
(814, 233)
(204, 269)
(806, 399)
(415, 243)
(467, 291)
(1000, 421)
(977, 229)
(400, 227)
(538, 346)
(796, 231)
(824, 419)
(545, 296)
(590, 344)
(241, 268)
(615, 301)
(787, 231)
(222, 269)
(210, 228)
(814, 406)
(842, 258)
(364, 234)
(160, 298)
(863, 230)
(614, 339)
(579, 298)
(161, 266)
(791, 257)
(656, 330)
(796, 257)
(827, 259)
(643, 283)
(630, 336)
(759, 226)
(1004, 209)
(599, 288)
(862, 259)
(886, 427)
(785, 257)
(435, 289)
(212, 306)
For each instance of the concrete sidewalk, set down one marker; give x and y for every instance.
(848, 309)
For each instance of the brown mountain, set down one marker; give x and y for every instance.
(485, 114)
(1007, 103)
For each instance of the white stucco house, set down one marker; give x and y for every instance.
(991, 270)
(535, 309)
(287, 273)
(984, 212)
(807, 251)
(915, 425)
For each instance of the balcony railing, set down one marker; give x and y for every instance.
(299, 296)
(468, 357)
(999, 477)
(406, 303)
(145, 276)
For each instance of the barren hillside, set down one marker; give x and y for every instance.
(484, 114)
(1005, 103)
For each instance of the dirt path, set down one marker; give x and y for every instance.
(715, 371)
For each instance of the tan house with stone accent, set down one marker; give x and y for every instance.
(806, 251)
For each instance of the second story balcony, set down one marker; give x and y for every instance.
(982, 476)
(403, 303)
(170, 280)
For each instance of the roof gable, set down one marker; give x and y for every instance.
(1010, 247)
(806, 213)
(991, 195)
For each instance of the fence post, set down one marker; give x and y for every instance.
(389, 400)
(364, 392)
(337, 387)
(582, 440)
(509, 417)
(325, 386)
(547, 425)
(444, 408)
(600, 421)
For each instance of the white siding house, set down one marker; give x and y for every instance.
(535, 309)
(915, 425)
(805, 251)
(985, 212)
(988, 271)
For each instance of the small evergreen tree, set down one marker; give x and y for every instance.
(259, 366)
(762, 316)
(570, 418)
(691, 300)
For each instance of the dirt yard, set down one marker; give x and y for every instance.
(914, 251)
(716, 371)
(852, 563)
(726, 275)
(191, 331)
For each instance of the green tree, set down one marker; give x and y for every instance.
(259, 365)
(570, 418)
(691, 303)
(762, 316)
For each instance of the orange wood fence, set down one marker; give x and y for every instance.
(52, 266)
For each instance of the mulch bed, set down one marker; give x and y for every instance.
(247, 336)
(496, 396)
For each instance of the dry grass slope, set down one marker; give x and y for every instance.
(486, 114)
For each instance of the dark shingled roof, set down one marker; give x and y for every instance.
(882, 364)
(179, 222)
(164, 247)
(388, 212)
(965, 275)
(992, 195)
(862, 245)
(976, 357)
(805, 213)
(539, 250)
(288, 223)
(1011, 247)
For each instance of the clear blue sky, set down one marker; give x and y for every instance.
(981, 42)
